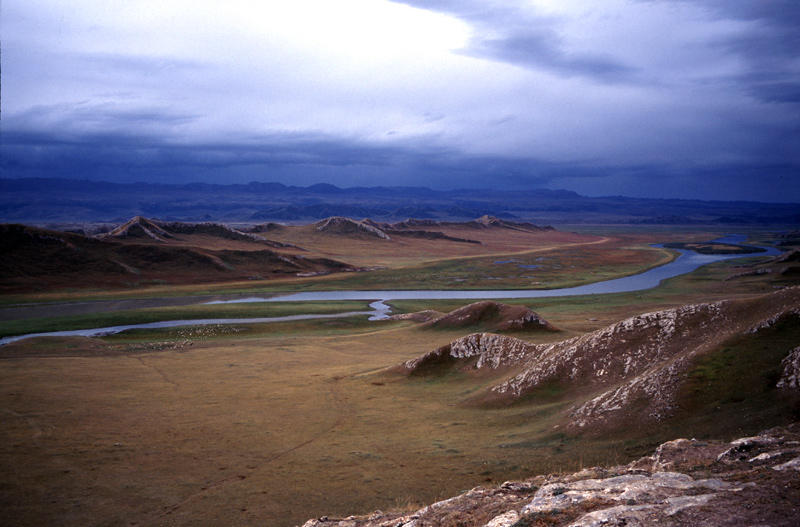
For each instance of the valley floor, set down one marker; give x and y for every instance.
(274, 424)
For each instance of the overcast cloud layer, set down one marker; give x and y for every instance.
(651, 98)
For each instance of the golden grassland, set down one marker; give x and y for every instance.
(272, 424)
(268, 430)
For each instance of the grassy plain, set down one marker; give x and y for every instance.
(270, 429)
(271, 424)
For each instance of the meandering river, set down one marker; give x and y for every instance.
(686, 262)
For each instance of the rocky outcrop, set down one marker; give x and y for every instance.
(750, 481)
(487, 349)
(414, 228)
(138, 227)
(791, 256)
(218, 230)
(790, 377)
(162, 231)
(418, 316)
(484, 222)
(411, 224)
(639, 361)
(345, 226)
(490, 221)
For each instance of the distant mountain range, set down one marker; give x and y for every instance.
(43, 201)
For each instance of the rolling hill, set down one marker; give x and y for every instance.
(665, 366)
(142, 252)
(145, 251)
(492, 316)
(140, 230)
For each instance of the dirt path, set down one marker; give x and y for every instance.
(159, 371)
(499, 254)
(170, 509)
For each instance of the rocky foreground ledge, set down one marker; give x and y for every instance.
(752, 481)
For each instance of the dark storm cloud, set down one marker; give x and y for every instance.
(769, 48)
(774, 90)
(123, 156)
(672, 98)
(290, 158)
(519, 36)
(745, 49)
(304, 160)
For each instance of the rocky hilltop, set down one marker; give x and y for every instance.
(748, 481)
(139, 228)
(639, 363)
(347, 227)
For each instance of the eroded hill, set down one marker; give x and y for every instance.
(146, 251)
(643, 370)
(140, 230)
(33, 259)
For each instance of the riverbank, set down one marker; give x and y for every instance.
(686, 262)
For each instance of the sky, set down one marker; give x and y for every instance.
(645, 98)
